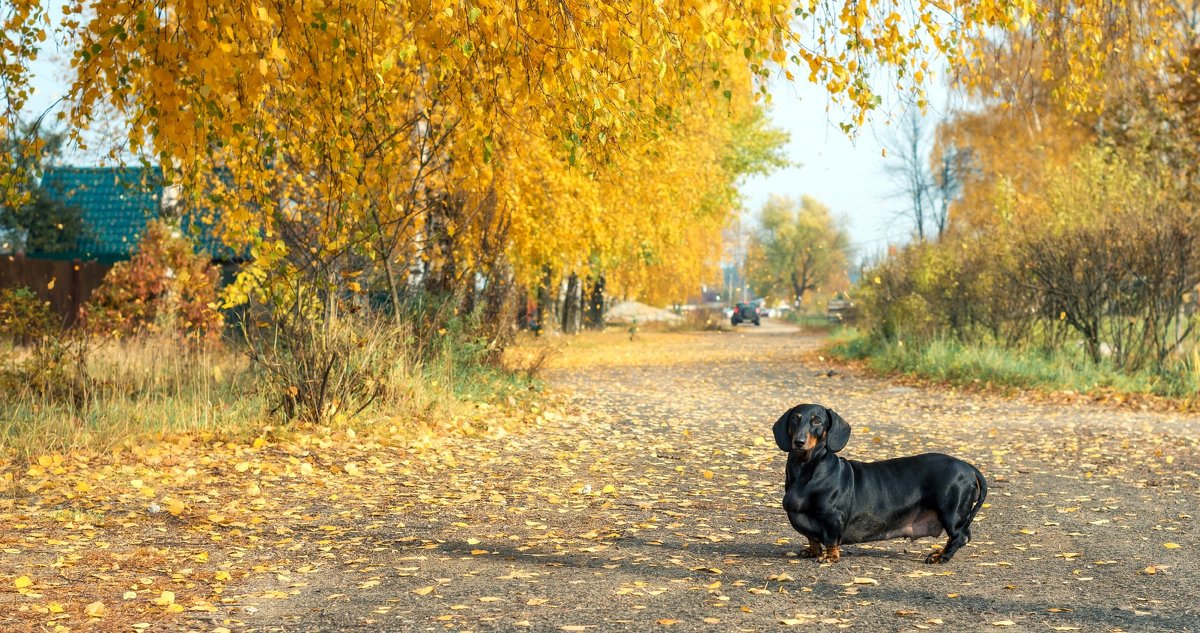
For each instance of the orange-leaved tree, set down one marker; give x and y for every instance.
(164, 287)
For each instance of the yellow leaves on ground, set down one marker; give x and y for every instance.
(174, 506)
(203, 533)
(409, 529)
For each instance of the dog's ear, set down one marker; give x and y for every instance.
(783, 434)
(838, 433)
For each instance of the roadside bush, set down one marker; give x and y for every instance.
(1118, 261)
(24, 318)
(165, 287)
(702, 320)
(50, 361)
(1102, 269)
(321, 359)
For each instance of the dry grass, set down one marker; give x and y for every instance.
(134, 388)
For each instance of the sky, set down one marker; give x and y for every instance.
(843, 172)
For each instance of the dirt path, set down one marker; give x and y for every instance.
(654, 503)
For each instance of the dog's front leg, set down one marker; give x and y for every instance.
(833, 528)
(813, 550)
(833, 553)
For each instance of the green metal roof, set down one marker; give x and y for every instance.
(116, 203)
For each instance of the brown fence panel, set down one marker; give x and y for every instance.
(67, 284)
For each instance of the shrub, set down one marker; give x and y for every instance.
(55, 364)
(24, 318)
(165, 287)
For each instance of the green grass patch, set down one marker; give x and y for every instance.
(958, 363)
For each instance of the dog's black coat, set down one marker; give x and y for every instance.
(834, 501)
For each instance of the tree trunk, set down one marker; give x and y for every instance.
(595, 303)
(570, 313)
(545, 303)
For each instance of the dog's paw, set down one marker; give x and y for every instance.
(935, 559)
(831, 555)
(809, 552)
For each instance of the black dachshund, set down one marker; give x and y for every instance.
(834, 501)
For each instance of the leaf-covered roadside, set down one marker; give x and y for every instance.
(136, 536)
(648, 500)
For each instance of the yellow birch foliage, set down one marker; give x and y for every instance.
(23, 23)
(649, 218)
(326, 130)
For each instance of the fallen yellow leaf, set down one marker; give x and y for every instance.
(174, 506)
(95, 610)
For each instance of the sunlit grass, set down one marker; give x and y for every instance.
(955, 362)
(148, 387)
(135, 388)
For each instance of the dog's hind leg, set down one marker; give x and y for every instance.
(955, 515)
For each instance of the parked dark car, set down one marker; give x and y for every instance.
(745, 313)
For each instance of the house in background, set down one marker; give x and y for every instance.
(115, 204)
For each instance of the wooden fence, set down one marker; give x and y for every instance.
(67, 284)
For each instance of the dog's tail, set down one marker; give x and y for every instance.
(982, 483)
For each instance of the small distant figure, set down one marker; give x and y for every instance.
(633, 328)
